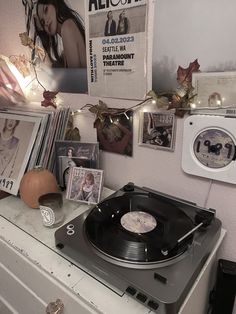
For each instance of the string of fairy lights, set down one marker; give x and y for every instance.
(113, 114)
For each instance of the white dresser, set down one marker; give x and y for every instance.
(33, 274)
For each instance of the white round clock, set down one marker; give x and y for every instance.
(209, 147)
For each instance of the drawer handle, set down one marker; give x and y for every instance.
(55, 307)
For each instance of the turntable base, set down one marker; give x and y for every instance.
(157, 268)
(32, 246)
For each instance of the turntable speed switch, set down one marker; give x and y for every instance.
(141, 297)
(153, 305)
(130, 290)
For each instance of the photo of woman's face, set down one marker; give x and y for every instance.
(48, 18)
(89, 181)
(10, 124)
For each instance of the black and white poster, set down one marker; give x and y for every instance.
(117, 48)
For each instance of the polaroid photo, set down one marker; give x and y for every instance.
(157, 130)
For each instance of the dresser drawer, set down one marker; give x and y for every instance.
(28, 289)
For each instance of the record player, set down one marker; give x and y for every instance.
(144, 243)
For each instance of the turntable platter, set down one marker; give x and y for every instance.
(134, 228)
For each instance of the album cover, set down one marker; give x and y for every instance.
(84, 185)
(115, 134)
(17, 137)
(74, 154)
(157, 130)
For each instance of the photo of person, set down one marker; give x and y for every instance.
(117, 136)
(57, 27)
(85, 185)
(66, 163)
(123, 24)
(157, 130)
(214, 100)
(86, 192)
(110, 26)
(53, 19)
(132, 20)
(9, 145)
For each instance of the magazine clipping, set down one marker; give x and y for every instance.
(117, 48)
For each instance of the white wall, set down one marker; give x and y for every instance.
(184, 30)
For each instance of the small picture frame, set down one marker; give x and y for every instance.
(84, 185)
(215, 93)
(157, 130)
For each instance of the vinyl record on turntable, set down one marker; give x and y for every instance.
(135, 228)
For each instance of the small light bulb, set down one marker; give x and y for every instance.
(8, 85)
(110, 119)
(193, 106)
(154, 102)
(79, 110)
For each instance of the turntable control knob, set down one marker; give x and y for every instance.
(129, 187)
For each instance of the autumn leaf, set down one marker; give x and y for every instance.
(184, 75)
(49, 99)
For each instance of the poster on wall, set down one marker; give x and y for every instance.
(17, 137)
(57, 43)
(117, 50)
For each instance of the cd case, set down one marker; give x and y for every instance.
(74, 154)
(84, 185)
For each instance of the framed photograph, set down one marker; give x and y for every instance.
(157, 130)
(215, 91)
(85, 185)
(17, 136)
(74, 154)
(115, 134)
